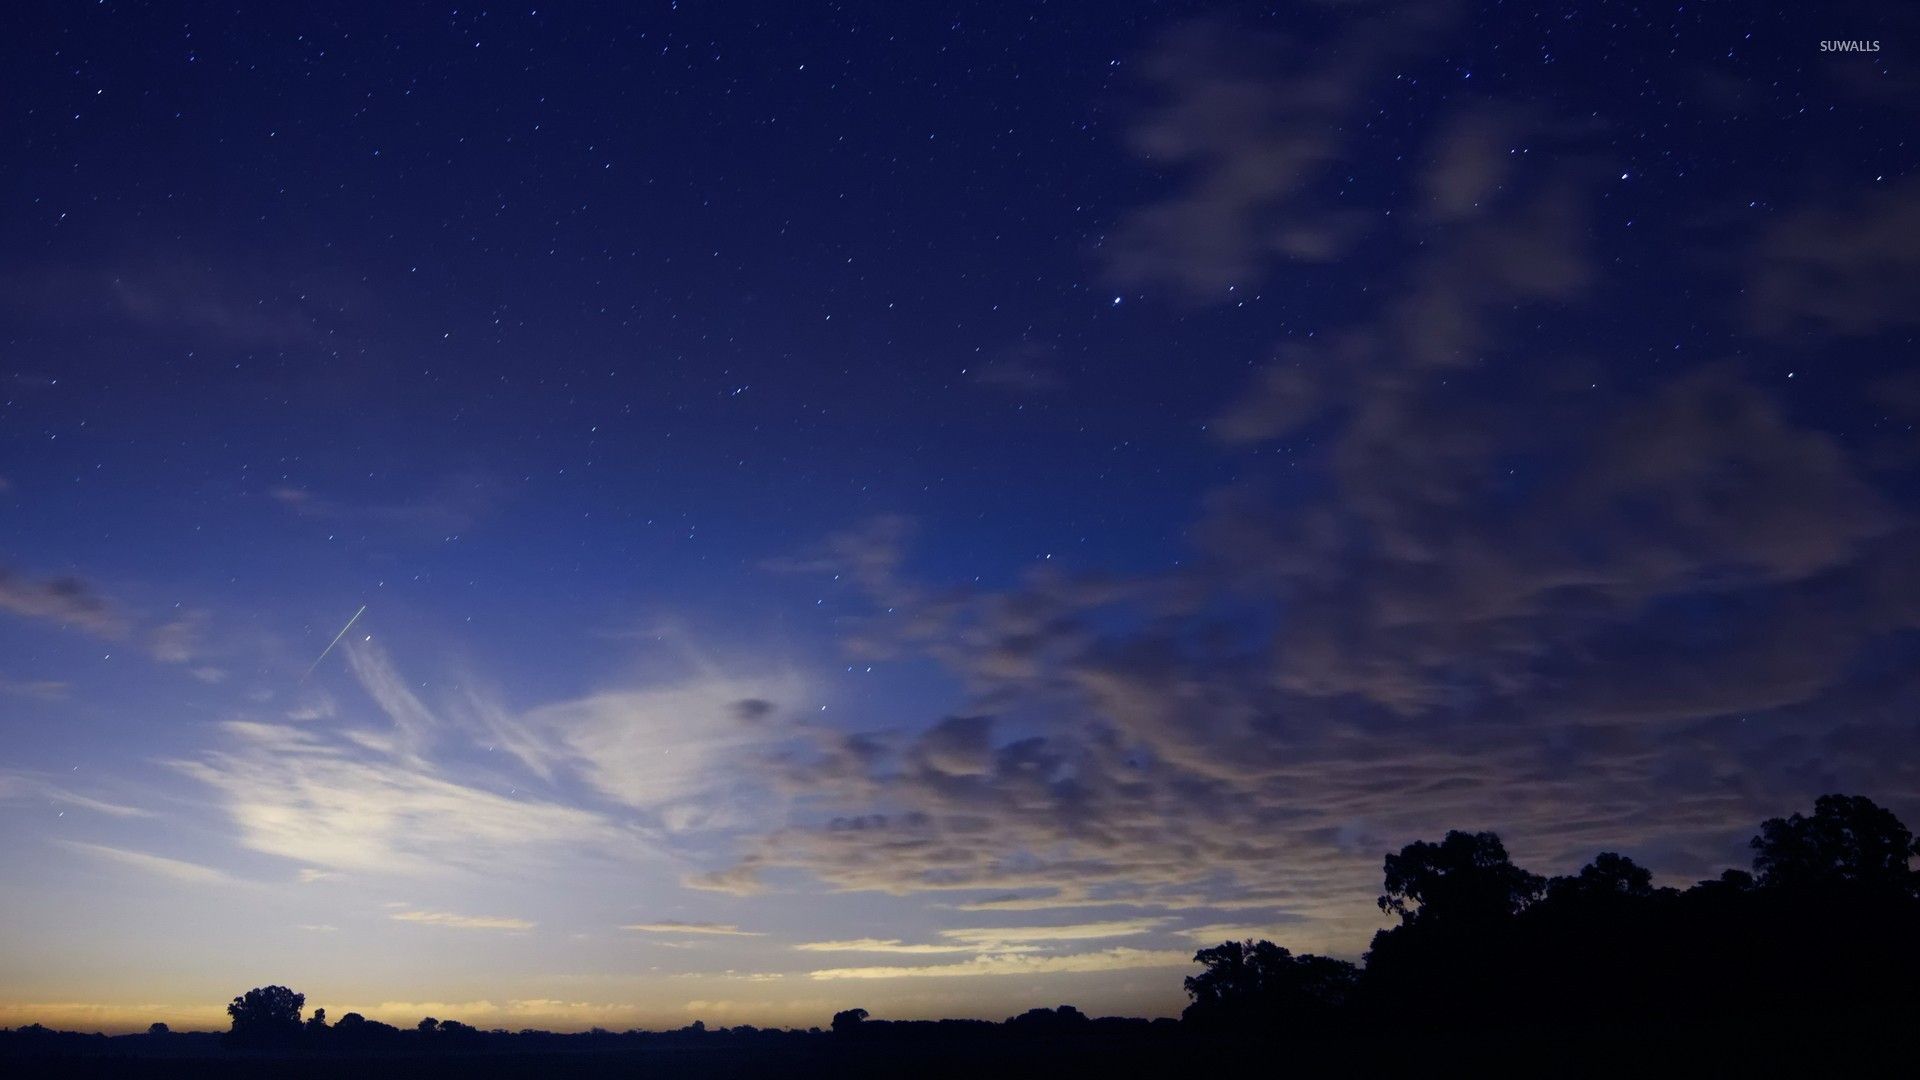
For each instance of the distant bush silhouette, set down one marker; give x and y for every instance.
(1049, 1021)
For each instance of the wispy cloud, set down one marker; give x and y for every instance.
(514, 1013)
(450, 508)
(98, 806)
(739, 880)
(417, 791)
(1525, 589)
(178, 641)
(191, 298)
(109, 1016)
(1846, 270)
(462, 922)
(1069, 899)
(988, 937)
(414, 723)
(24, 785)
(1215, 933)
(1120, 959)
(1253, 124)
(671, 748)
(39, 689)
(175, 869)
(330, 803)
(65, 600)
(995, 940)
(894, 945)
(674, 926)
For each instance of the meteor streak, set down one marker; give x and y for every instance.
(335, 641)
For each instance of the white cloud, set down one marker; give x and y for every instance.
(989, 937)
(661, 748)
(294, 792)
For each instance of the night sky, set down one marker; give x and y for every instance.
(937, 508)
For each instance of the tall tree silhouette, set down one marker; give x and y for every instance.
(265, 1015)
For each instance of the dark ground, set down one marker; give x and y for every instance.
(1780, 1051)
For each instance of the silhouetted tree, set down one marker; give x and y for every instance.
(427, 1023)
(356, 1029)
(1849, 840)
(265, 1015)
(1049, 1021)
(1729, 881)
(1608, 876)
(157, 1028)
(1466, 876)
(847, 1019)
(1260, 983)
(317, 1023)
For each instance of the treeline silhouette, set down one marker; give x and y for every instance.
(1820, 943)
(1810, 958)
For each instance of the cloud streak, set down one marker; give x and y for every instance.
(461, 922)
(674, 926)
(157, 865)
(21, 785)
(1121, 959)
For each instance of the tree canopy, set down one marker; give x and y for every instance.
(1466, 876)
(266, 1014)
(1827, 925)
(1849, 840)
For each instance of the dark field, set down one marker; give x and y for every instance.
(1132, 1050)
